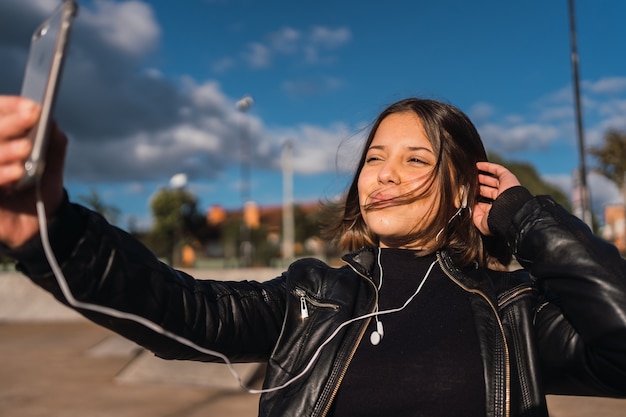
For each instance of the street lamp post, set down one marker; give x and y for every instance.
(246, 249)
(585, 209)
(288, 220)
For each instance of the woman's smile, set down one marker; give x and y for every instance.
(398, 165)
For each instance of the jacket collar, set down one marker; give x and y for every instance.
(363, 261)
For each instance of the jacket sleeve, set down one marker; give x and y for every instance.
(581, 322)
(105, 266)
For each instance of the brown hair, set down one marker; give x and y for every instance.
(458, 147)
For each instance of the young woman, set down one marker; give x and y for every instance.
(423, 318)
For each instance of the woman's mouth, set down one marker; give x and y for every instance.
(381, 199)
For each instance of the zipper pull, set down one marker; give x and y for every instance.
(304, 311)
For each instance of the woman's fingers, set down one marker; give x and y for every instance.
(495, 179)
(17, 116)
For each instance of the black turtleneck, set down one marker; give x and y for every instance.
(428, 362)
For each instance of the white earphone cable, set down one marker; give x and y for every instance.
(67, 293)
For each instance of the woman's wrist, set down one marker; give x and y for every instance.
(504, 208)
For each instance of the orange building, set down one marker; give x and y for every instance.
(216, 215)
(252, 215)
(615, 226)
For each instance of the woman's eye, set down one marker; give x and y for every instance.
(372, 159)
(416, 160)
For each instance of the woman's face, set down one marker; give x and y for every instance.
(399, 161)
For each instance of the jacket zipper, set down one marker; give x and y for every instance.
(352, 352)
(513, 295)
(305, 299)
(507, 404)
(507, 365)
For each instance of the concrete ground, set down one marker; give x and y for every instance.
(55, 364)
(47, 371)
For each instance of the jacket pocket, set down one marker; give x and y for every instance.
(306, 300)
(309, 321)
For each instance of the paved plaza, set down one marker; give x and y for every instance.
(55, 364)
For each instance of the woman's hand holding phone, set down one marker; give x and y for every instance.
(18, 216)
(32, 149)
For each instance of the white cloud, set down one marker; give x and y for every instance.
(562, 181)
(557, 113)
(323, 39)
(142, 156)
(224, 64)
(257, 55)
(552, 119)
(330, 38)
(153, 73)
(562, 95)
(511, 138)
(201, 140)
(612, 107)
(312, 47)
(128, 26)
(206, 95)
(480, 111)
(311, 86)
(318, 149)
(609, 85)
(285, 40)
(612, 116)
(44, 6)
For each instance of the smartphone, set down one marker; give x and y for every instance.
(41, 80)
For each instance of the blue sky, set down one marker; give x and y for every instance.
(150, 87)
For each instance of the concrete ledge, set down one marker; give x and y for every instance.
(145, 368)
(115, 346)
(149, 369)
(21, 300)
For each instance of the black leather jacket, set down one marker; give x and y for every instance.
(559, 326)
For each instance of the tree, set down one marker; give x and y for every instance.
(611, 159)
(528, 176)
(175, 213)
(97, 204)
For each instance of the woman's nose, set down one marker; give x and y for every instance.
(388, 174)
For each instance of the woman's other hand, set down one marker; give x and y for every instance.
(493, 179)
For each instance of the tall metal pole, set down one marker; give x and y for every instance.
(246, 248)
(288, 220)
(244, 105)
(582, 170)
